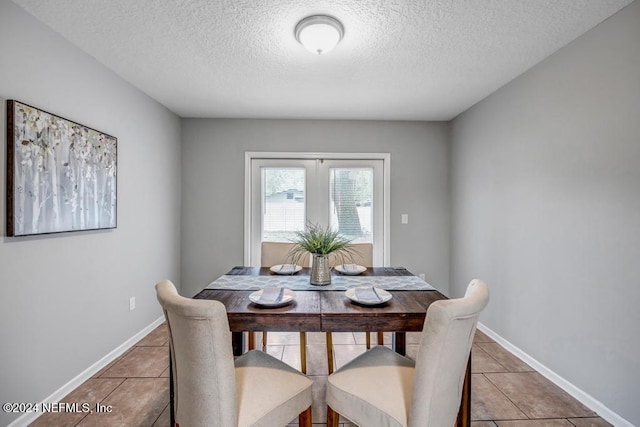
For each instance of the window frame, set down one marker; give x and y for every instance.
(248, 201)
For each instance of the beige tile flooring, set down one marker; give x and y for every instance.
(505, 391)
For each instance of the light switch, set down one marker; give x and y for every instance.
(404, 219)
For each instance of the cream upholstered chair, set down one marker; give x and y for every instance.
(362, 255)
(271, 253)
(382, 388)
(274, 253)
(212, 390)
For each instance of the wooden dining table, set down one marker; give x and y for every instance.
(327, 309)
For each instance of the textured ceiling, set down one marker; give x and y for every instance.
(399, 59)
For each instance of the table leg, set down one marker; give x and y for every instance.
(237, 343)
(399, 342)
(464, 415)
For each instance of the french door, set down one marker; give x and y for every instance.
(284, 194)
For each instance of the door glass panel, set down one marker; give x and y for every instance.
(351, 203)
(283, 202)
(285, 194)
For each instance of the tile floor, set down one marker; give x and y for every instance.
(505, 391)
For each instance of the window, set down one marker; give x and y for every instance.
(351, 204)
(282, 196)
(347, 192)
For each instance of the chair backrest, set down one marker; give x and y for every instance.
(274, 253)
(362, 254)
(442, 357)
(202, 359)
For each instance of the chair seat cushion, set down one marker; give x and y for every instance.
(374, 389)
(269, 392)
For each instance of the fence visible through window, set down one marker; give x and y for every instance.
(283, 198)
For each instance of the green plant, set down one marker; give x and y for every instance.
(320, 240)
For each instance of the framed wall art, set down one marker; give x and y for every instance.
(61, 175)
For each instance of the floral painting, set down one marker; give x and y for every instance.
(61, 175)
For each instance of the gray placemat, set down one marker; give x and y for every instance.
(338, 283)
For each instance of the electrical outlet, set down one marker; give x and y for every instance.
(132, 303)
(421, 275)
(404, 219)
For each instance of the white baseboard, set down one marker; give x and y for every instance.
(74, 383)
(583, 397)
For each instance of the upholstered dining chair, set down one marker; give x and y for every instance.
(213, 390)
(362, 255)
(271, 253)
(274, 253)
(382, 388)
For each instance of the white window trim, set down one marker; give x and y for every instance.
(250, 155)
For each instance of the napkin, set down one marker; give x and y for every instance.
(286, 269)
(368, 295)
(271, 294)
(350, 268)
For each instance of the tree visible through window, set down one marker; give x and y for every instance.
(351, 191)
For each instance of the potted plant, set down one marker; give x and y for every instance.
(320, 242)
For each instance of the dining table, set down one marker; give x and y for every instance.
(328, 308)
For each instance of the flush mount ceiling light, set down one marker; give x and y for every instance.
(319, 33)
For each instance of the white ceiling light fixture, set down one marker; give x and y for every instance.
(319, 33)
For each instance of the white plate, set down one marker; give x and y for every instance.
(350, 269)
(285, 268)
(287, 297)
(384, 295)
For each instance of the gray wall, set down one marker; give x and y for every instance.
(213, 187)
(64, 299)
(546, 208)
